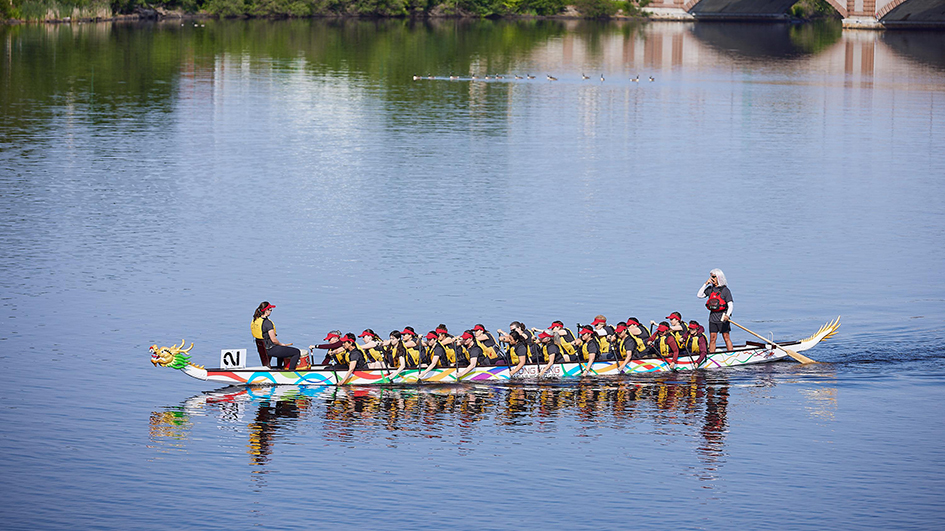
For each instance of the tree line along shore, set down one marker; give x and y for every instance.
(18, 11)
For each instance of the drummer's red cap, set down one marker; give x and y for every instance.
(330, 335)
(271, 306)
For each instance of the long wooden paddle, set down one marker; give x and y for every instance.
(799, 357)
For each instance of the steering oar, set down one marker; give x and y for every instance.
(799, 357)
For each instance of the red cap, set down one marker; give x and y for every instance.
(693, 325)
(556, 325)
(409, 332)
(675, 315)
(466, 335)
(598, 321)
(365, 333)
(544, 335)
(662, 328)
(479, 327)
(347, 339)
(432, 335)
(271, 306)
(633, 322)
(330, 335)
(620, 328)
(587, 330)
(442, 331)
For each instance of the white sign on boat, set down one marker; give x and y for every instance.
(233, 358)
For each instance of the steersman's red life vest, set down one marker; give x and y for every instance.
(716, 303)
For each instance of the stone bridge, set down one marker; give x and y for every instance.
(855, 13)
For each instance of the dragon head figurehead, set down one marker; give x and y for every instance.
(175, 357)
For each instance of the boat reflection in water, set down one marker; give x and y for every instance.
(678, 406)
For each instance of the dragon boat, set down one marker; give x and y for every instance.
(750, 353)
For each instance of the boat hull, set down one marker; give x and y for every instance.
(326, 376)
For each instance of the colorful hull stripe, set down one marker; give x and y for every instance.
(324, 376)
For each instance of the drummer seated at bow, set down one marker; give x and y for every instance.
(664, 343)
(468, 353)
(696, 343)
(357, 359)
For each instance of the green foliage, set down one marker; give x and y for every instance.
(809, 9)
(547, 7)
(7, 10)
(596, 8)
(226, 8)
(633, 8)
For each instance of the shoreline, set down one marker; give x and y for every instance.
(159, 15)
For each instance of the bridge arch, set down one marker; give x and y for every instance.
(841, 7)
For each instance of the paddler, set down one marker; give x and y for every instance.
(335, 357)
(605, 334)
(413, 346)
(665, 344)
(641, 334)
(357, 359)
(518, 349)
(696, 343)
(274, 347)
(373, 346)
(437, 353)
(565, 338)
(676, 326)
(627, 344)
(468, 353)
(488, 344)
(395, 353)
(719, 303)
(589, 343)
(550, 351)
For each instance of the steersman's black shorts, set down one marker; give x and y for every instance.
(720, 328)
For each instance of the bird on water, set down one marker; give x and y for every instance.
(550, 77)
(584, 76)
(651, 78)
(636, 79)
(529, 76)
(602, 78)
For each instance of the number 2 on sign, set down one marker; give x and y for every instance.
(233, 358)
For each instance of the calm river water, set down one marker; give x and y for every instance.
(158, 181)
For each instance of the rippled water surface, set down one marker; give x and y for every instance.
(158, 181)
